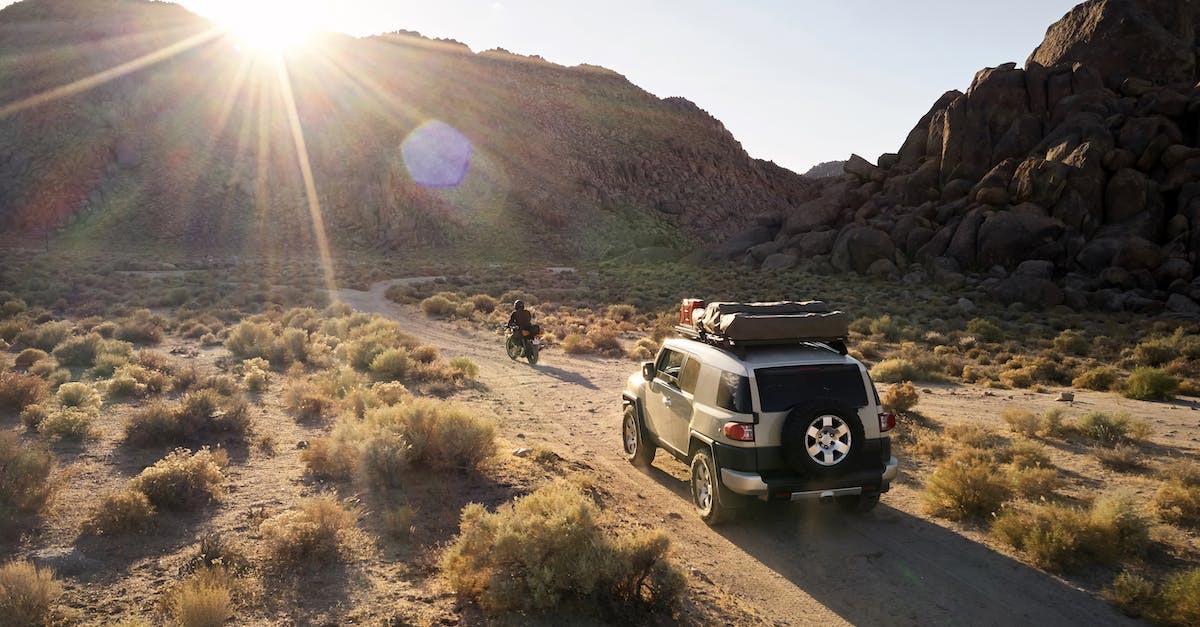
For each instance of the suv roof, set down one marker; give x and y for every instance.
(760, 356)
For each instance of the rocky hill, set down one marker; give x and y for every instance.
(1074, 180)
(194, 147)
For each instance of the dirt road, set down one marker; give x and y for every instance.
(795, 564)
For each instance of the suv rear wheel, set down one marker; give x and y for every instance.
(822, 438)
(637, 449)
(706, 488)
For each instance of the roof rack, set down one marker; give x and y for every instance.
(835, 344)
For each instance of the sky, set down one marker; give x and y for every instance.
(797, 82)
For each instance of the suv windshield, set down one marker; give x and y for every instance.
(780, 389)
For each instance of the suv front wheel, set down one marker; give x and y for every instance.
(638, 451)
(705, 488)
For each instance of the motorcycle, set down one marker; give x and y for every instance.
(520, 344)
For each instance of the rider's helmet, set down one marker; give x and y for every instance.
(519, 305)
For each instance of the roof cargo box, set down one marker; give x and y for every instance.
(776, 321)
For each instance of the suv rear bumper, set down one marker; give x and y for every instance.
(792, 488)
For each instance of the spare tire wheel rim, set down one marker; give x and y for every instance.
(827, 439)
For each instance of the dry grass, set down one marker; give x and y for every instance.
(27, 594)
(128, 511)
(18, 390)
(966, 486)
(204, 599)
(901, 398)
(1061, 538)
(24, 485)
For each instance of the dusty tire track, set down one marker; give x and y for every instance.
(796, 564)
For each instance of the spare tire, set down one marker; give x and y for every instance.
(822, 438)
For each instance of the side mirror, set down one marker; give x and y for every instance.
(648, 370)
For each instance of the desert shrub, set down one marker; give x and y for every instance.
(620, 312)
(1108, 429)
(153, 424)
(426, 432)
(985, 330)
(645, 349)
(27, 593)
(33, 415)
(1025, 454)
(1150, 384)
(965, 486)
(306, 401)
(181, 481)
(483, 302)
(77, 395)
(107, 362)
(1100, 378)
(1131, 593)
(123, 386)
(605, 342)
(391, 364)
(901, 397)
(1052, 423)
(121, 512)
(1021, 420)
(1154, 352)
(465, 367)
(576, 344)
(327, 459)
(1021, 377)
(548, 547)
(1034, 482)
(884, 326)
(24, 485)
(30, 356)
(250, 339)
(312, 534)
(205, 599)
(1180, 598)
(896, 371)
(141, 327)
(1071, 342)
(68, 422)
(18, 390)
(425, 354)
(438, 305)
(45, 336)
(1178, 500)
(974, 436)
(1061, 538)
(78, 351)
(1121, 457)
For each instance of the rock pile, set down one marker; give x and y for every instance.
(1075, 180)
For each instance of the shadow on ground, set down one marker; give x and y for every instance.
(887, 567)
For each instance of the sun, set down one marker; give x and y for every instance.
(269, 26)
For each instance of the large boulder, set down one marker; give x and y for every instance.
(1006, 238)
(1030, 290)
(813, 243)
(822, 211)
(912, 152)
(859, 246)
(1151, 39)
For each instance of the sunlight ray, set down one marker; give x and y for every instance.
(100, 78)
(310, 186)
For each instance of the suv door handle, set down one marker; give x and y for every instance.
(667, 401)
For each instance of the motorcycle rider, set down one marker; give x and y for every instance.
(522, 320)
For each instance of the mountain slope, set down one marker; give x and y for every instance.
(198, 150)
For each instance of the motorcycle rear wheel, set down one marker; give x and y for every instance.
(531, 355)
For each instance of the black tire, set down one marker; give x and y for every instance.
(822, 439)
(638, 449)
(858, 503)
(513, 348)
(531, 353)
(706, 488)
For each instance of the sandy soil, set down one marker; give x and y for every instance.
(795, 563)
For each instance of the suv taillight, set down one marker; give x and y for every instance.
(740, 431)
(887, 421)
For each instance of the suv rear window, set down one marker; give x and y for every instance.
(780, 389)
(733, 393)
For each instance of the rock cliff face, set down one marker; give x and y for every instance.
(1075, 180)
(196, 149)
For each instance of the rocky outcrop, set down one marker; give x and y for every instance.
(1084, 164)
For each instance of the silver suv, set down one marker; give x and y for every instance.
(778, 423)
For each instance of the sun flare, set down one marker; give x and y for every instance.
(269, 26)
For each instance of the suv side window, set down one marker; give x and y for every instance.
(733, 393)
(670, 363)
(689, 375)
